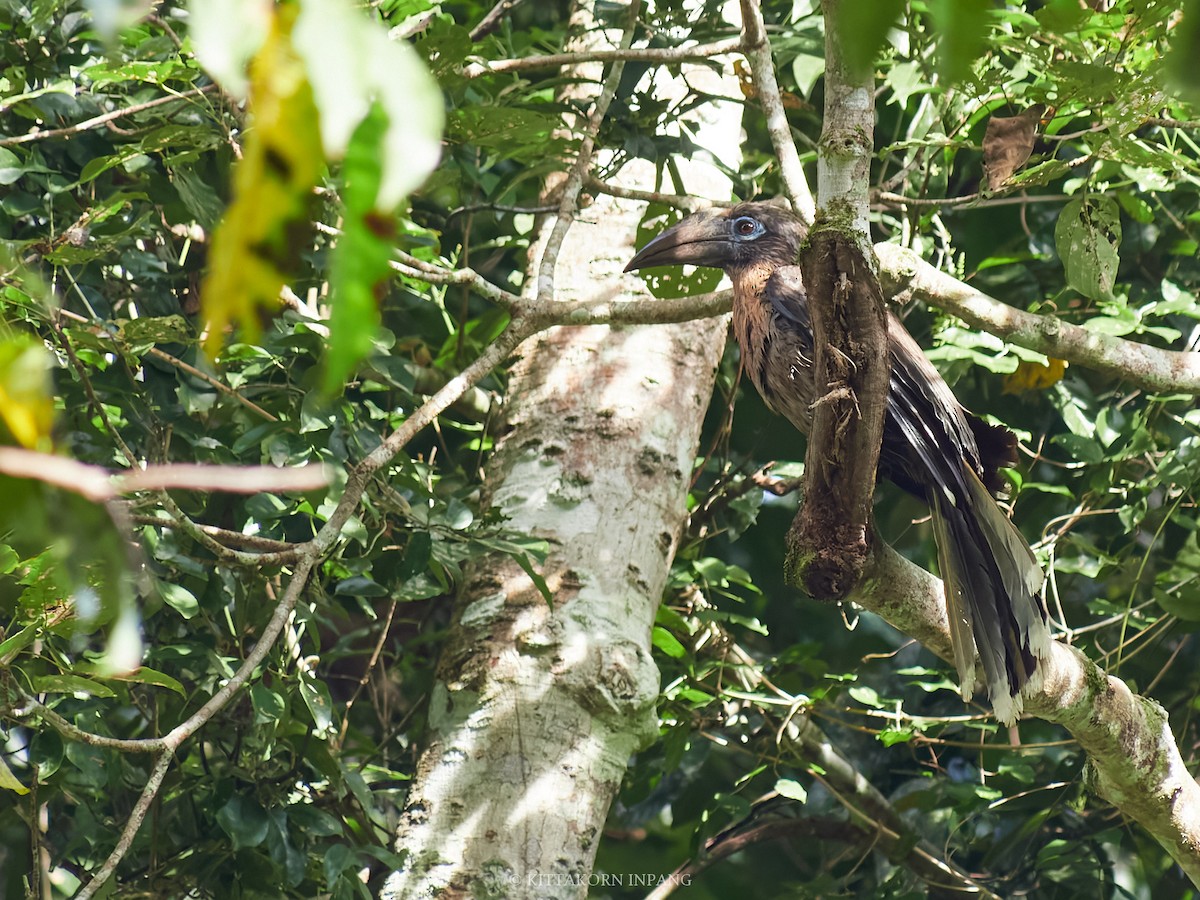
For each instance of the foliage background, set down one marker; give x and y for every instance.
(295, 787)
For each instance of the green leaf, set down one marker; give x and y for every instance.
(9, 781)
(69, 684)
(905, 79)
(1088, 235)
(338, 858)
(198, 196)
(806, 69)
(791, 789)
(244, 820)
(962, 27)
(9, 559)
(526, 563)
(360, 264)
(1185, 606)
(140, 675)
(360, 586)
(155, 330)
(891, 736)
(319, 703)
(1135, 207)
(179, 599)
(15, 643)
(10, 166)
(1058, 16)
(667, 643)
(866, 696)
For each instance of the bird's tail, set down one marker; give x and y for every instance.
(993, 597)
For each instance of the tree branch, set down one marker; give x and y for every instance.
(88, 124)
(1148, 367)
(679, 201)
(827, 545)
(757, 49)
(492, 20)
(573, 185)
(1133, 761)
(137, 816)
(663, 55)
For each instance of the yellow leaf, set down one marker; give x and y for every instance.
(26, 407)
(1034, 376)
(257, 248)
(9, 781)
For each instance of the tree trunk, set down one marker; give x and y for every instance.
(538, 706)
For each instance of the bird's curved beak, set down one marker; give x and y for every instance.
(702, 239)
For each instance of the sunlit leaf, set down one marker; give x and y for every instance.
(791, 789)
(9, 781)
(353, 65)
(70, 684)
(667, 643)
(26, 407)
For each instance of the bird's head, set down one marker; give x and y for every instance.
(727, 239)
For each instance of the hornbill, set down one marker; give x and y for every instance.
(932, 447)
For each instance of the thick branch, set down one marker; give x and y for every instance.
(828, 542)
(1147, 367)
(1133, 761)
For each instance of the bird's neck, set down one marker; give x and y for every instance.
(752, 320)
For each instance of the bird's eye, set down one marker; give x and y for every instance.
(747, 227)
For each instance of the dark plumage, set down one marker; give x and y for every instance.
(932, 447)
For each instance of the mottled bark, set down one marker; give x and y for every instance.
(539, 705)
(828, 544)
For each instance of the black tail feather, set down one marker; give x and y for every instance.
(992, 584)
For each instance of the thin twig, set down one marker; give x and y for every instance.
(95, 121)
(624, 54)
(492, 20)
(758, 50)
(224, 535)
(679, 201)
(1148, 367)
(136, 816)
(365, 678)
(887, 198)
(573, 185)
